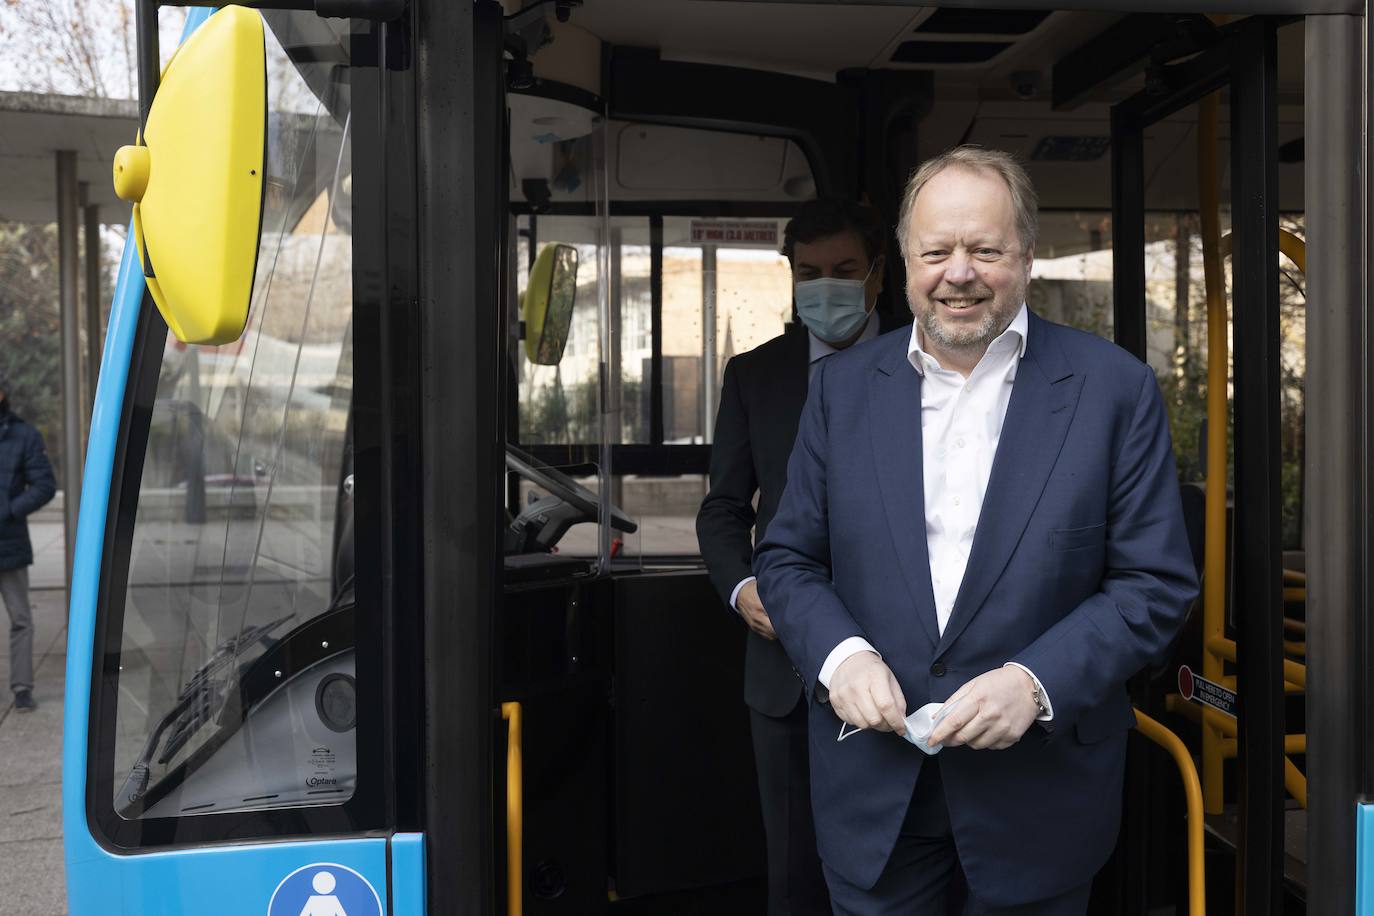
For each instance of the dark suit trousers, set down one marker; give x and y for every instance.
(796, 886)
(923, 878)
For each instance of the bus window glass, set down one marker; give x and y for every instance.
(683, 282)
(236, 669)
(1175, 283)
(1292, 382)
(1072, 273)
(719, 299)
(631, 357)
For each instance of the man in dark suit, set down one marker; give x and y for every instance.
(836, 250)
(980, 513)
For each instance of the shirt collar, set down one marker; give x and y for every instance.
(1015, 332)
(820, 348)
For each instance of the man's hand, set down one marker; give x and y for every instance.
(995, 709)
(751, 609)
(864, 692)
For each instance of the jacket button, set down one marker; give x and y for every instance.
(938, 669)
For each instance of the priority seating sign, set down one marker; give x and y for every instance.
(325, 889)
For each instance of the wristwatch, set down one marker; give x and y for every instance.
(1038, 698)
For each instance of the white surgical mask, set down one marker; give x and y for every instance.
(919, 726)
(832, 308)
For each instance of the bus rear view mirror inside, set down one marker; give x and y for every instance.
(548, 304)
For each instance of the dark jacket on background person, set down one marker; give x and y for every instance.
(26, 485)
(761, 403)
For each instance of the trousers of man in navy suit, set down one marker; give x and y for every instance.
(1079, 570)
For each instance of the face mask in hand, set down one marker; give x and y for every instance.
(833, 309)
(919, 725)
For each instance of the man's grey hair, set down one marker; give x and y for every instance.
(979, 159)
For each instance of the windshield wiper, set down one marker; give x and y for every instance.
(191, 711)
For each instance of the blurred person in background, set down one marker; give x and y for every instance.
(26, 485)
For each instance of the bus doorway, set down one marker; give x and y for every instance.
(441, 487)
(1111, 146)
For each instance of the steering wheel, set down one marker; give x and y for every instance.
(554, 514)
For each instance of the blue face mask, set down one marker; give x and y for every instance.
(833, 309)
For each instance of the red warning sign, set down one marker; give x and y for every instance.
(734, 232)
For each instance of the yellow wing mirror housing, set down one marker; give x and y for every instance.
(195, 178)
(547, 307)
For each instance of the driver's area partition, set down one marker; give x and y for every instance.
(638, 783)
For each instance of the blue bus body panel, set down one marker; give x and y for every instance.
(92, 888)
(1364, 860)
(408, 874)
(213, 879)
(202, 880)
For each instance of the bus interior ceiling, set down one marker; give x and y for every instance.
(1003, 96)
(744, 110)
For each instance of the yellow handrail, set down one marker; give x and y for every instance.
(515, 814)
(1192, 789)
(1226, 745)
(1214, 561)
(1293, 672)
(1296, 251)
(1294, 781)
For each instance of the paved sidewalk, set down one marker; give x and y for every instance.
(32, 881)
(49, 568)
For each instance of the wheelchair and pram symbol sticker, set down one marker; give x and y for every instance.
(325, 889)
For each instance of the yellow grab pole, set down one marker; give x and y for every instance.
(1296, 250)
(1192, 789)
(1214, 560)
(515, 815)
(1293, 672)
(1295, 782)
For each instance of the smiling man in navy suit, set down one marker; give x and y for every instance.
(1020, 476)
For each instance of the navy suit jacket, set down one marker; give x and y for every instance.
(1080, 570)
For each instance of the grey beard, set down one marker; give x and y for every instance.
(991, 325)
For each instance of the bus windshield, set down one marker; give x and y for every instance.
(238, 602)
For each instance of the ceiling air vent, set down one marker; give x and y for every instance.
(982, 22)
(948, 52)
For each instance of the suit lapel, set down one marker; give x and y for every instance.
(894, 412)
(1043, 399)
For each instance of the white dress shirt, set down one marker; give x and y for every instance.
(961, 423)
(819, 350)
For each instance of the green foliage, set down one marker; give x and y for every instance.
(560, 414)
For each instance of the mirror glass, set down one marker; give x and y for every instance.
(552, 336)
